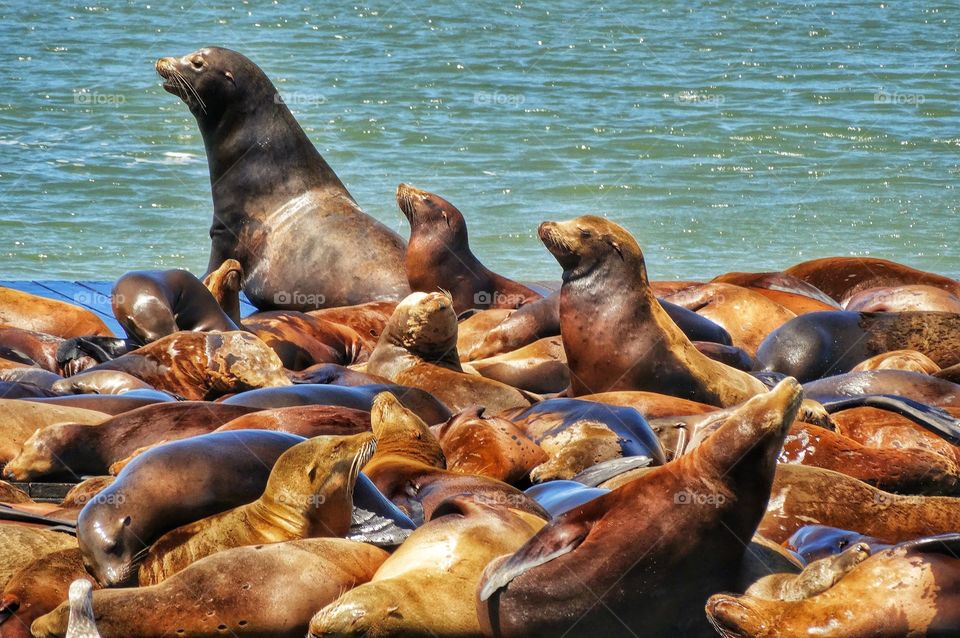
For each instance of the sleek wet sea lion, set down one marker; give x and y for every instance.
(335, 374)
(20, 419)
(151, 304)
(39, 314)
(409, 467)
(172, 485)
(225, 284)
(426, 587)
(540, 367)
(910, 360)
(21, 545)
(747, 315)
(419, 348)
(307, 421)
(920, 387)
(795, 294)
(278, 208)
(31, 348)
(71, 449)
(560, 496)
(909, 590)
(817, 577)
(903, 471)
(367, 319)
(84, 492)
(821, 344)
(651, 405)
(472, 330)
(813, 542)
(606, 292)
(301, 340)
(439, 256)
(309, 494)
(35, 376)
(474, 443)
(903, 299)
(37, 589)
(20, 390)
(12, 494)
(804, 495)
(264, 590)
(198, 366)
(884, 429)
(112, 404)
(603, 565)
(361, 397)
(843, 277)
(100, 382)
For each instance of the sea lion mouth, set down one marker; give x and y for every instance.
(553, 239)
(177, 84)
(407, 199)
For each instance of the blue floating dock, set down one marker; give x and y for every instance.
(92, 295)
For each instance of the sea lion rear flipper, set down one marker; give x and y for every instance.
(542, 548)
(948, 544)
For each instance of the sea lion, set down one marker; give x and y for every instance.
(278, 208)
(560, 496)
(151, 304)
(820, 344)
(309, 494)
(367, 319)
(37, 589)
(20, 419)
(817, 577)
(172, 485)
(33, 376)
(409, 467)
(361, 397)
(199, 366)
(472, 330)
(335, 374)
(20, 545)
(804, 495)
(920, 387)
(910, 590)
(12, 494)
(903, 299)
(794, 294)
(72, 449)
(263, 590)
(100, 382)
(540, 367)
(419, 348)
(521, 327)
(307, 421)
(31, 348)
(39, 314)
(492, 446)
(813, 542)
(606, 292)
(112, 404)
(884, 429)
(584, 574)
(903, 471)
(84, 492)
(224, 284)
(843, 277)
(301, 340)
(747, 315)
(439, 257)
(426, 587)
(910, 360)
(650, 405)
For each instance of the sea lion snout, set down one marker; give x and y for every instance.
(734, 619)
(165, 66)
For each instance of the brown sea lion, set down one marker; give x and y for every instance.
(919, 387)
(439, 256)
(747, 315)
(34, 376)
(301, 340)
(37, 589)
(309, 494)
(843, 277)
(20, 419)
(821, 344)
(585, 575)
(224, 284)
(274, 196)
(31, 348)
(426, 587)
(307, 421)
(112, 404)
(263, 590)
(794, 294)
(335, 374)
(910, 360)
(651, 405)
(903, 471)
(910, 590)
(21, 545)
(39, 314)
(199, 366)
(100, 382)
(84, 492)
(540, 367)
(523, 326)
(606, 292)
(473, 330)
(804, 495)
(409, 467)
(151, 304)
(884, 429)
(903, 299)
(172, 485)
(73, 449)
(419, 348)
(816, 577)
(367, 319)
(474, 443)
(12, 494)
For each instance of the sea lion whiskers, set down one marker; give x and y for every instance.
(182, 80)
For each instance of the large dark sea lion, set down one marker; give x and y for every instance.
(439, 256)
(279, 209)
(57, 318)
(843, 277)
(664, 541)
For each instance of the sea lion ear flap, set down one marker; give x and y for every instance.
(616, 246)
(550, 542)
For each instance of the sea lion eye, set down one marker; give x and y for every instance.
(584, 233)
(197, 63)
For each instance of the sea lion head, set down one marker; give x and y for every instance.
(214, 82)
(738, 617)
(314, 480)
(36, 458)
(425, 324)
(400, 432)
(584, 244)
(109, 548)
(423, 208)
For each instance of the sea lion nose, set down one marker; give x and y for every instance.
(164, 65)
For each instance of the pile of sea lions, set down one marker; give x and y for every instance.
(402, 442)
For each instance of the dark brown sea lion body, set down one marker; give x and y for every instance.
(306, 421)
(439, 256)
(279, 209)
(39, 314)
(31, 348)
(37, 589)
(843, 277)
(301, 340)
(903, 299)
(150, 304)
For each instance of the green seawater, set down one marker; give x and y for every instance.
(724, 135)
